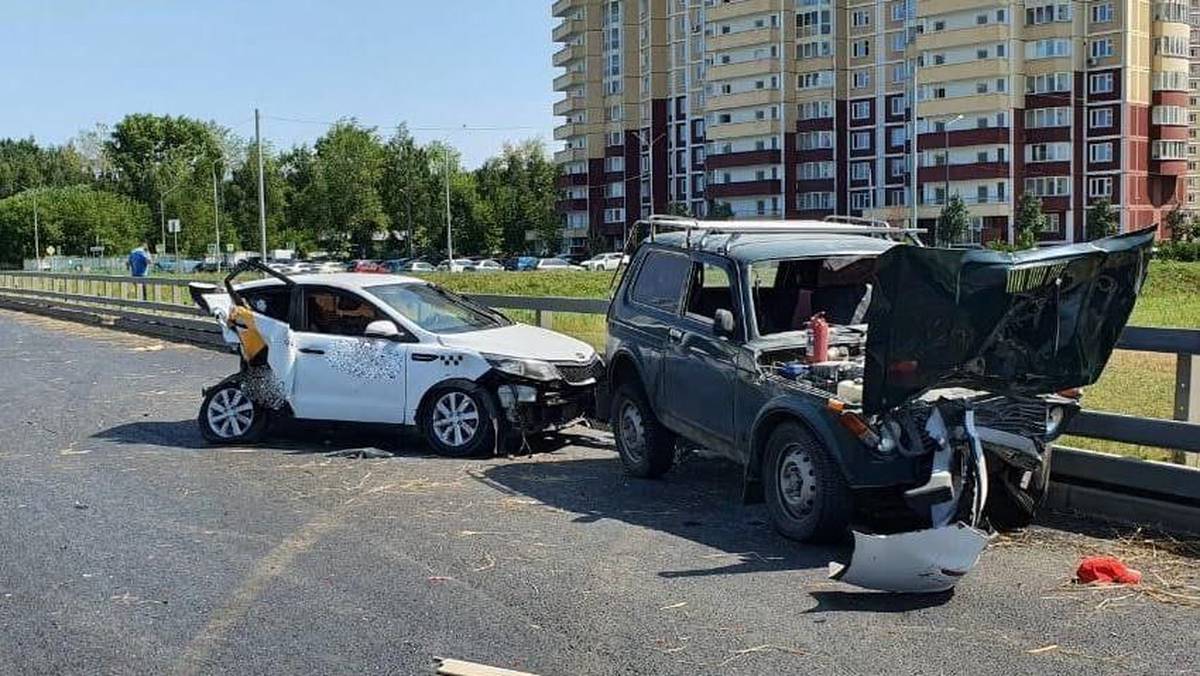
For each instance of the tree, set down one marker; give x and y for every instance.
(242, 228)
(953, 222)
(348, 170)
(1101, 220)
(1029, 221)
(72, 219)
(719, 211)
(1177, 224)
(679, 209)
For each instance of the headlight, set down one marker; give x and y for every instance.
(1054, 419)
(525, 368)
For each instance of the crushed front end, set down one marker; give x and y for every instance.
(545, 396)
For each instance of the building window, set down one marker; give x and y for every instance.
(1100, 118)
(615, 215)
(860, 48)
(1102, 48)
(897, 136)
(1170, 80)
(897, 105)
(1048, 186)
(1101, 83)
(1047, 117)
(816, 110)
(1048, 48)
(810, 171)
(860, 110)
(1048, 152)
(616, 163)
(1100, 186)
(1048, 82)
(860, 140)
(1102, 12)
(1171, 45)
(1047, 13)
(1100, 152)
(862, 79)
(860, 17)
(1175, 116)
(861, 199)
(1168, 150)
(814, 140)
(860, 171)
(1053, 224)
(814, 201)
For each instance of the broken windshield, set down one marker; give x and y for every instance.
(787, 293)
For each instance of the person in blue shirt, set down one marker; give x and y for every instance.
(139, 261)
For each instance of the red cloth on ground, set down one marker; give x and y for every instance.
(1106, 569)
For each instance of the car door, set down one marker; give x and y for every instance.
(340, 374)
(651, 314)
(700, 365)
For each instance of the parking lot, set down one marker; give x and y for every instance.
(129, 546)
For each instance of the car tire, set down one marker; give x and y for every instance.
(458, 421)
(807, 496)
(1009, 506)
(228, 416)
(647, 449)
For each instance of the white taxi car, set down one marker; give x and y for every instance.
(377, 348)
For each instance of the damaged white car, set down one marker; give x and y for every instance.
(864, 382)
(389, 349)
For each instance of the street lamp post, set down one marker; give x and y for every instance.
(946, 155)
(449, 236)
(37, 244)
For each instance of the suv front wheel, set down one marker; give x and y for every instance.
(807, 497)
(647, 448)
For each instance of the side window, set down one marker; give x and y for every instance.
(659, 283)
(708, 291)
(274, 302)
(337, 313)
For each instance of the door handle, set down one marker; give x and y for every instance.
(312, 350)
(423, 356)
(675, 334)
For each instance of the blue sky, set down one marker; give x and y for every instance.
(437, 64)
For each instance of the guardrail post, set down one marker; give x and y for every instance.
(1187, 400)
(545, 319)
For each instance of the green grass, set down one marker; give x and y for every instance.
(561, 283)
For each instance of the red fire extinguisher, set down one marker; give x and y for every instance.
(818, 339)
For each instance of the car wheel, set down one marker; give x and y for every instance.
(457, 421)
(647, 449)
(807, 496)
(228, 416)
(1011, 506)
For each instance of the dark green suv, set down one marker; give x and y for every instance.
(856, 376)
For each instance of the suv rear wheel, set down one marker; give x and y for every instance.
(647, 449)
(807, 497)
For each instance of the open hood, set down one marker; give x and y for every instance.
(1020, 324)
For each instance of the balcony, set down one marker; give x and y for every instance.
(570, 155)
(562, 7)
(736, 8)
(743, 188)
(757, 97)
(758, 36)
(568, 28)
(566, 131)
(745, 69)
(568, 54)
(570, 105)
(566, 81)
(717, 132)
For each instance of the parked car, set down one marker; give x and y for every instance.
(457, 265)
(520, 263)
(416, 266)
(856, 376)
(373, 348)
(367, 265)
(488, 265)
(605, 261)
(554, 264)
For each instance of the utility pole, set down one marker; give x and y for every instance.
(262, 198)
(449, 237)
(37, 244)
(216, 215)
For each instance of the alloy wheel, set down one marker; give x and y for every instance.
(455, 419)
(230, 413)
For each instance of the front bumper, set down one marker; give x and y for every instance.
(923, 561)
(531, 406)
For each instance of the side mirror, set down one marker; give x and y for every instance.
(723, 325)
(382, 328)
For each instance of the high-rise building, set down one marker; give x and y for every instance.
(805, 108)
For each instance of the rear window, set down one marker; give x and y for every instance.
(659, 283)
(272, 301)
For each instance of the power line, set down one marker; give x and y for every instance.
(464, 127)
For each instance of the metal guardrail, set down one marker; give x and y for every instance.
(162, 306)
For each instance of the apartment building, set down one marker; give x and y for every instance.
(879, 108)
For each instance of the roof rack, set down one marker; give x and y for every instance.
(832, 225)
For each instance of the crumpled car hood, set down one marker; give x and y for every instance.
(1020, 324)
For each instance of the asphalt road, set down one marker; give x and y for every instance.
(128, 546)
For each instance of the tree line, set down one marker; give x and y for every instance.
(352, 192)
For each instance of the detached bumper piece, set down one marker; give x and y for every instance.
(918, 562)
